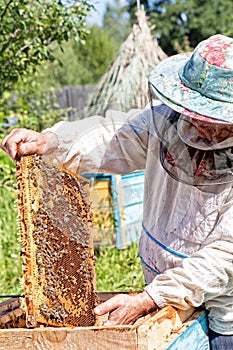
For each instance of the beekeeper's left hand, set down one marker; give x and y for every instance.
(126, 309)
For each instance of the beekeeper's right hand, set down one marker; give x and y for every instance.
(21, 142)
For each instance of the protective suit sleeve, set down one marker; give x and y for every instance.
(204, 277)
(115, 144)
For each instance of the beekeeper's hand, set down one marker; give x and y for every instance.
(126, 309)
(21, 142)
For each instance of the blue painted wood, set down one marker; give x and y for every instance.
(195, 337)
(133, 192)
(116, 212)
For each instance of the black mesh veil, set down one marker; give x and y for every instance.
(187, 157)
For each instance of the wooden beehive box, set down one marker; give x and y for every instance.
(166, 329)
(117, 207)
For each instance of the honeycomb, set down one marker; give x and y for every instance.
(57, 248)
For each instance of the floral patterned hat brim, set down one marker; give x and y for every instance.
(165, 83)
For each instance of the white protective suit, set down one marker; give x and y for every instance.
(186, 245)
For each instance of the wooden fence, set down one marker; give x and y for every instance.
(75, 99)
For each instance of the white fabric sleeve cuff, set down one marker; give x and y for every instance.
(57, 157)
(158, 299)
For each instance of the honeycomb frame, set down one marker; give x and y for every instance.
(57, 245)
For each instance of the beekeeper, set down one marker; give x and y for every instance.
(185, 145)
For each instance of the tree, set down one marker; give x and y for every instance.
(116, 21)
(96, 55)
(29, 28)
(181, 24)
(29, 33)
(78, 64)
(192, 19)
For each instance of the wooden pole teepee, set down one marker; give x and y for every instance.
(125, 85)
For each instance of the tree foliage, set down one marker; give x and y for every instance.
(194, 19)
(78, 64)
(29, 33)
(181, 24)
(96, 54)
(116, 21)
(27, 30)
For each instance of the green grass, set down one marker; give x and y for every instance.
(118, 270)
(10, 261)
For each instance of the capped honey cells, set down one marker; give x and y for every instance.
(57, 249)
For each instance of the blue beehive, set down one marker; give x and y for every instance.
(193, 336)
(117, 206)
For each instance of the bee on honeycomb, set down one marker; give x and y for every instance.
(57, 249)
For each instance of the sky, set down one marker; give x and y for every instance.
(96, 16)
